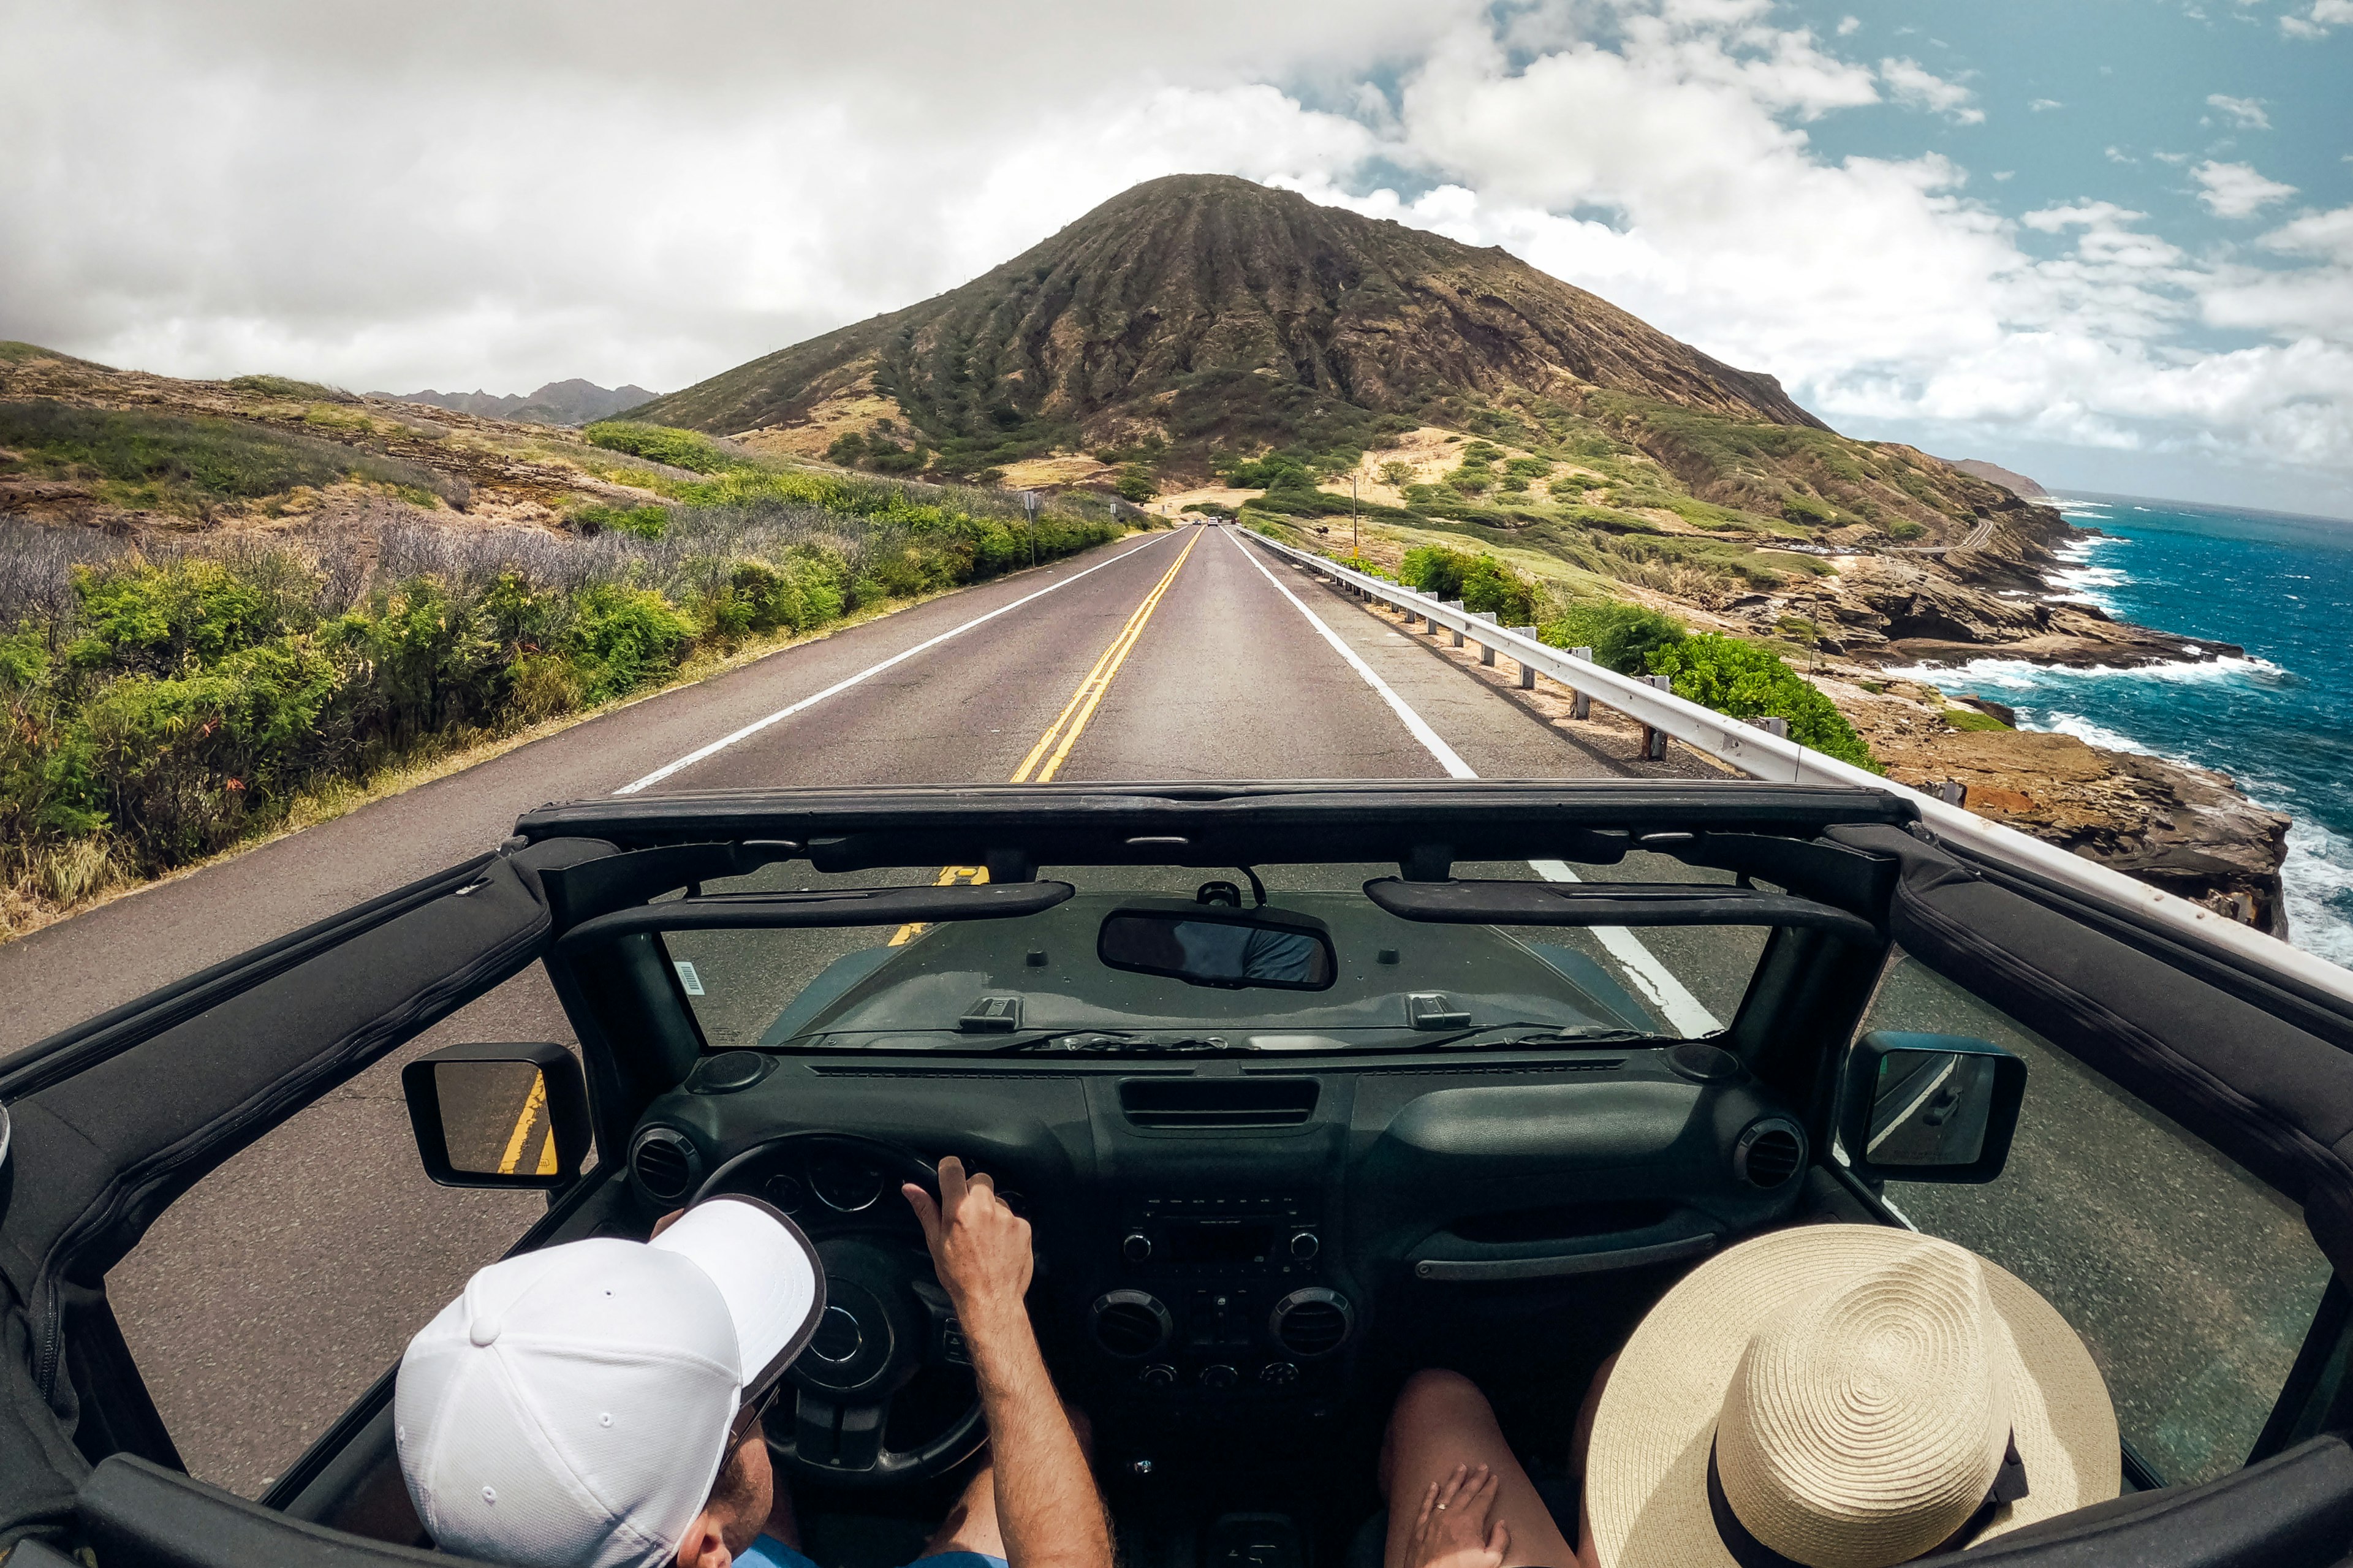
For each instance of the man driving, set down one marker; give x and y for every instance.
(598, 1405)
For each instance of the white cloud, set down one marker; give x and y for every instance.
(2247, 113)
(2041, 104)
(1849, 25)
(2235, 190)
(2316, 22)
(499, 195)
(1912, 83)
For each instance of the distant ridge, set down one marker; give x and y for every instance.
(1206, 313)
(2016, 484)
(573, 402)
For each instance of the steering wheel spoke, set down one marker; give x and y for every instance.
(834, 1434)
(944, 1345)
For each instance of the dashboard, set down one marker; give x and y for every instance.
(1221, 1244)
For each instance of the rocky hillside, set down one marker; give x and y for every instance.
(1994, 473)
(1212, 313)
(573, 402)
(1197, 323)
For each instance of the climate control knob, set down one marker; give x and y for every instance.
(1136, 1248)
(1305, 1245)
(1279, 1373)
(1220, 1376)
(1159, 1374)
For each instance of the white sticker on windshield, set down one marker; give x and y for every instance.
(688, 977)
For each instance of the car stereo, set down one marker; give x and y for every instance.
(1220, 1237)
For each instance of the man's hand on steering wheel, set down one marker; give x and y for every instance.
(979, 1246)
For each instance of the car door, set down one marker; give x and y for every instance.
(2178, 1183)
(112, 1120)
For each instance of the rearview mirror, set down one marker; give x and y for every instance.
(1200, 947)
(1929, 1108)
(498, 1115)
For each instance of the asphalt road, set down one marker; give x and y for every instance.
(267, 1299)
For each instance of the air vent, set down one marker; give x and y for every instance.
(667, 1162)
(1218, 1102)
(1311, 1323)
(1769, 1154)
(1130, 1323)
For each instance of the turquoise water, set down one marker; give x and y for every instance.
(2279, 720)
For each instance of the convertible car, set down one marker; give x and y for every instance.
(1304, 1086)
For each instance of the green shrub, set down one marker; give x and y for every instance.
(1135, 483)
(659, 444)
(1484, 585)
(1623, 636)
(1903, 529)
(1750, 681)
(887, 457)
(286, 386)
(626, 637)
(645, 522)
(1271, 472)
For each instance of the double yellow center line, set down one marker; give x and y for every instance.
(1053, 747)
(1064, 731)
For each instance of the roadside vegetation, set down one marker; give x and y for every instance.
(1736, 676)
(189, 467)
(162, 700)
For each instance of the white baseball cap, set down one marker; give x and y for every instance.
(572, 1407)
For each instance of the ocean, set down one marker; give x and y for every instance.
(2279, 720)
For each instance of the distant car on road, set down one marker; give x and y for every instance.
(1302, 1086)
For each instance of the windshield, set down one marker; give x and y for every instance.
(1176, 961)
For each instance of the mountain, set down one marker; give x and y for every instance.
(1994, 473)
(573, 402)
(1212, 314)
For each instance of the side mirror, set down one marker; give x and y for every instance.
(1929, 1108)
(498, 1115)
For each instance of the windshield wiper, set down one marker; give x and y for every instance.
(1115, 1042)
(1542, 1035)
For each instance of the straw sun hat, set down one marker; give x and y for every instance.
(1843, 1396)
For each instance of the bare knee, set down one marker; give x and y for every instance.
(1434, 1395)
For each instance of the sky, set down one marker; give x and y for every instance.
(2109, 243)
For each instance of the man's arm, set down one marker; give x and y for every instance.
(1047, 1505)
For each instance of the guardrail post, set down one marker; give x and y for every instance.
(1655, 742)
(1580, 706)
(1773, 724)
(1528, 670)
(1452, 604)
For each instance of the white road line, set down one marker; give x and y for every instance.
(1653, 978)
(839, 686)
(1668, 994)
(1456, 768)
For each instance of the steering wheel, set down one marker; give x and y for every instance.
(886, 1320)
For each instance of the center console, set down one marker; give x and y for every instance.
(1223, 1295)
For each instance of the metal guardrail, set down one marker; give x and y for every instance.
(1764, 755)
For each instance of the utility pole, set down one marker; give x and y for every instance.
(1355, 530)
(1030, 505)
